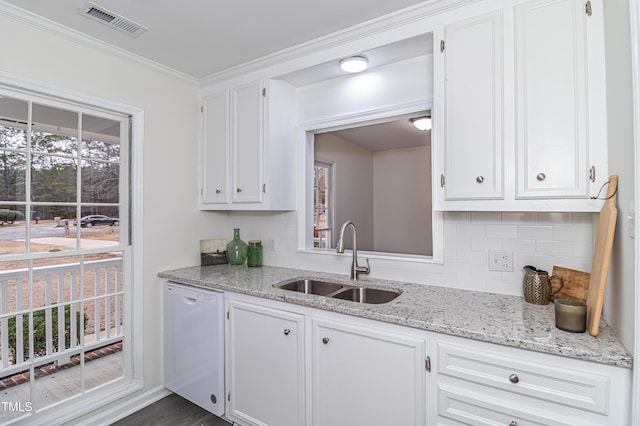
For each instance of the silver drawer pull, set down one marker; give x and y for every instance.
(325, 340)
(514, 378)
(286, 331)
(480, 179)
(218, 191)
(238, 189)
(513, 423)
(541, 176)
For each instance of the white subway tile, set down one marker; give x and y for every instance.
(580, 249)
(486, 217)
(457, 217)
(457, 242)
(535, 232)
(582, 218)
(577, 263)
(554, 248)
(472, 230)
(517, 218)
(486, 244)
(450, 255)
(519, 246)
(553, 218)
(583, 233)
(502, 231)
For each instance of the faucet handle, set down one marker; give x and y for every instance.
(364, 269)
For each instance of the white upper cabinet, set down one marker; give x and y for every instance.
(551, 99)
(521, 93)
(215, 149)
(247, 117)
(248, 148)
(473, 132)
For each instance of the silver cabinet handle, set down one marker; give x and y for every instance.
(238, 189)
(286, 331)
(325, 340)
(480, 179)
(218, 191)
(514, 378)
(541, 176)
(513, 423)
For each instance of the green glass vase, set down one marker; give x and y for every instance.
(236, 249)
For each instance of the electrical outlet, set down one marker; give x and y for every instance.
(270, 244)
(500, 260)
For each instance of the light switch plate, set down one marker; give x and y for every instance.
(500, 260)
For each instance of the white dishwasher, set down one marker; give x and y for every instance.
(194, 345)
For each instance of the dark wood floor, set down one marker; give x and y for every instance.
(172, 410)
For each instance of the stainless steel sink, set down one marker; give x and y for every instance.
(321, 288)
(366, 295)
(340, 291)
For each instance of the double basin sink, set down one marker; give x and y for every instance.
(341, 291)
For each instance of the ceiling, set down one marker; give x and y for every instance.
(397, 134)
(201, 37)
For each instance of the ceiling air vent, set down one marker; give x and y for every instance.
(118, 22)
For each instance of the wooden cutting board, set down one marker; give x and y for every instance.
(602, 258)
(576, 284)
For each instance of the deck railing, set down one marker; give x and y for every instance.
(75, 294)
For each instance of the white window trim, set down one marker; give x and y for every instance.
(132, 267)
(305, 163)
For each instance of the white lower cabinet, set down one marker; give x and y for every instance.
(366, 376)
(355, 371)
(294, 365)
(265, 379)
(484, 384)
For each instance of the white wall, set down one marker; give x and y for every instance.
(402, 177)
(619, 307)
(172, 223)
(353, 186)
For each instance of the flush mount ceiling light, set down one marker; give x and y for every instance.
(354, 64)
(421, 123)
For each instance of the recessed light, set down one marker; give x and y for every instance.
(421, 123)
(354, 64)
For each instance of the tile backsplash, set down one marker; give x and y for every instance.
(539, 239)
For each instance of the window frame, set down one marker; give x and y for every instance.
(133, 353)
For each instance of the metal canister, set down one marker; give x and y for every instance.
(254, 253)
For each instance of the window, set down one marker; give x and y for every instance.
(322, 205)
(64, 241)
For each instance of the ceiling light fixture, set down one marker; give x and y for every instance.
(354, 64)
(421, 123)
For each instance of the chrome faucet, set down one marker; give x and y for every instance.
(355, 269)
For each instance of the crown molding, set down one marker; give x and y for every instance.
(54, 28)
(389, 22)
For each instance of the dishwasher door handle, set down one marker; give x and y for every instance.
(189, 300)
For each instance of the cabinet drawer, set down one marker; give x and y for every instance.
(458, 406)
(549, 382)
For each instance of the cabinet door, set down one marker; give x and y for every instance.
(363, 376)
(266, 365)
(247, 142)
(215, 149)
(551, 123)
(473, 64)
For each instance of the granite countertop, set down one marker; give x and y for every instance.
(488, 317)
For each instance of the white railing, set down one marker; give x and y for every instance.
(98, 297)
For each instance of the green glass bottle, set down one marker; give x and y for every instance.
(236, 249)
(254, 256)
